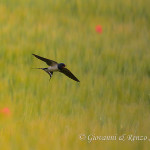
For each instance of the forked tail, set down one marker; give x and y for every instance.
(39, 68)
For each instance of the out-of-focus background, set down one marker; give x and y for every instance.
(113, 66)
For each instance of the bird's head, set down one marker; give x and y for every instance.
(61, 66)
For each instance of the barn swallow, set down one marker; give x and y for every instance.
(54, 67)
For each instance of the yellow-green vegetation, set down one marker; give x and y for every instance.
(113, 97)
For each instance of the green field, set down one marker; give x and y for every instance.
(113, 97)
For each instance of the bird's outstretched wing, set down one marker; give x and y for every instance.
(48, 61)
(69, 74)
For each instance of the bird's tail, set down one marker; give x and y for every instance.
(39, 68)
(36, 68)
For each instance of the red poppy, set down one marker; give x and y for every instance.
(98, 29)
(5, 111)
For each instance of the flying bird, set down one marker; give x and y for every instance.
(55, 67)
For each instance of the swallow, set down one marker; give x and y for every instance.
(55, 67)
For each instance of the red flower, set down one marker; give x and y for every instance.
(5, 111)
(98, 29)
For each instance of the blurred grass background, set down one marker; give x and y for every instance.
(113, 97)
